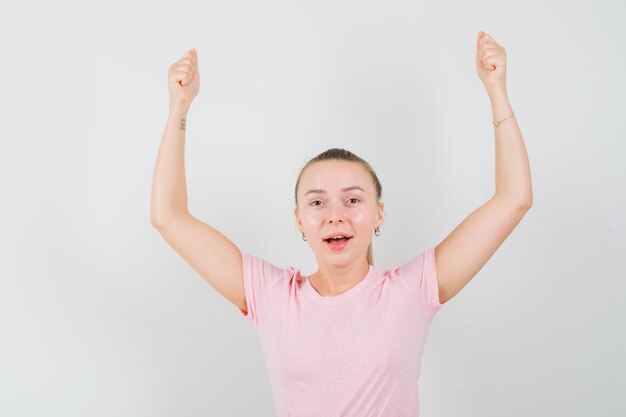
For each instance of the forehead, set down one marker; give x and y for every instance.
(335, 175)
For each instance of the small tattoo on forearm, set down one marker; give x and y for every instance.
(183, 124)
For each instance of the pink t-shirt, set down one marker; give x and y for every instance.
(356, 354)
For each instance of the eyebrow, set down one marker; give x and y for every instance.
(317, 190)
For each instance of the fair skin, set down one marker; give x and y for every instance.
(355, 212)
(474, 241)
(458, 257)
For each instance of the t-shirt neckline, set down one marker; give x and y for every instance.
(366, 282)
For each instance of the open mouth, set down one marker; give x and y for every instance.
(336, 244)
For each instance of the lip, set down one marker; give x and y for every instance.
(338, 234)
(339, 246)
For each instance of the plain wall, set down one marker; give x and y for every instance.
(99, 316)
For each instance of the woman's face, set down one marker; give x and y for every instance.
(327, 206)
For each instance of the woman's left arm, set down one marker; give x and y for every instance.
(472, 243)
(513, 184)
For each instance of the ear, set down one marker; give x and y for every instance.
(298, 222)
(380, 217)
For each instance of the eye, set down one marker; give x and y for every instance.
(315, 201)
(354, 198)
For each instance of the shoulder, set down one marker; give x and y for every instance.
(259, 267)
(416, 263)
(419, 275)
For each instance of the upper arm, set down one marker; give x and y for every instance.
(215, 257)
(470, 245)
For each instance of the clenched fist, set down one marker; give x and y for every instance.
(490, 61)
(183, 79)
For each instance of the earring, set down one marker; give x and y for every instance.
(377, 231)
(303, 237)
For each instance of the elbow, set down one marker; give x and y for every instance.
(156, 221)
(159, 221)
(519, 203)
(528, 203)
(526, 207)
(525, 204)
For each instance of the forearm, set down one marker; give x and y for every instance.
(513, 181)
(169, 190)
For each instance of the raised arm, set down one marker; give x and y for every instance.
(472, 243)
(217, 259)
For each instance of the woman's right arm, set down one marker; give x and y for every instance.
(169, 189)
(215, 257)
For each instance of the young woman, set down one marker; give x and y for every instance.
(348, 339)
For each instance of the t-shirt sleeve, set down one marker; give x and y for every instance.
(419, 274)
(259, 279)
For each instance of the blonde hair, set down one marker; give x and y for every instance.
(339, 154)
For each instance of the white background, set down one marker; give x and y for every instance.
(100, 317)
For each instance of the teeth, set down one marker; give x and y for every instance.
(337, 237)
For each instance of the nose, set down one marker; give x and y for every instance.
(336, 213)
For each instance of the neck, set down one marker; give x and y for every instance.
(331, 280)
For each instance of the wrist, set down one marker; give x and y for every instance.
(496, 90)
(179, 108)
